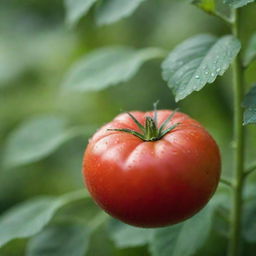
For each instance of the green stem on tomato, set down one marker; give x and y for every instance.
(237, 201)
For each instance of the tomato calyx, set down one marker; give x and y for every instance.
(150, 131)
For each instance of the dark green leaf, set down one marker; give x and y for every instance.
(28, 218)
(107, 66)
(238, 3)
(250, 107)
(63, 239)
(184, 239)
(250, 116)
(249, 223)
(100, 243)
(198, 61)
(250, 53)
(36, 139)
(75, 9)
(127, 236)
(222, 205)
(113, 10)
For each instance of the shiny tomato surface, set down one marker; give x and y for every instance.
(152, 183)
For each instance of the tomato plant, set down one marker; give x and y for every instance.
(157, 170)
(152, 169)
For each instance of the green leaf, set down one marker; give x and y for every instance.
(214, 7)
(63, 239)
(36, 139)
(126, 236)
(250, 53)
(249, 221)
(207, 5)
(250, 116)
(183, 239)
(28, 218)
(75, 9)
(222, 205)
(238, 3)
(249, 104)
(113, 10)
(107, 66)
(198, 61)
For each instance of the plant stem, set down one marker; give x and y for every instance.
(236, 211)
(250, 170)
(226, 182)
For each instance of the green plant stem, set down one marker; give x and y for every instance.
(236, 211)
(226, 182)
(250, 170)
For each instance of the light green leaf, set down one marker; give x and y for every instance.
(107, 66)
(63, 239)
(127, 236)
(249, 104)
(75, 9)
(249, 221)
(183, 239)
(250, 53)
(37, 138)
(113, 10)
(28, 218)
(206, 5)
(214, 7)
(238, 3)
(198, 61)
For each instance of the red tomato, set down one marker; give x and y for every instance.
(152, 183)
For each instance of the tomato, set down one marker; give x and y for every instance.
(149, 176)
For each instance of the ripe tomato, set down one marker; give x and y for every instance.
(149, 176)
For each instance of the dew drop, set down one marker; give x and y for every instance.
(206, 72)
(218, 70)
(212, 74)
(197, 77)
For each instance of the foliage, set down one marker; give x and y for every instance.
(44, 127)
(107, 66)
(250, 106)
(198, 61)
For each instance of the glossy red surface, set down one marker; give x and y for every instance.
(152, 184)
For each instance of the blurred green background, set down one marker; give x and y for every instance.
(36, 51)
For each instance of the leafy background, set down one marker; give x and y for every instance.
(45, 124)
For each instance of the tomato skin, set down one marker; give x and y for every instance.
(156, 183)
